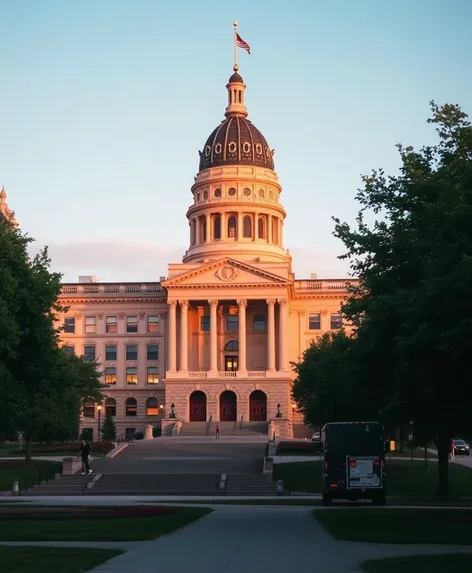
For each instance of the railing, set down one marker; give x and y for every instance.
(328, 284)
(112, 288)
(257, 374)
(229, 374)
(210, 420)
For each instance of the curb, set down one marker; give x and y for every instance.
(92, 483)
(115, 451)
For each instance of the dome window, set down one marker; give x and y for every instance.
(232, 147)
(232, 227)
(268, 153)
(232, 192)
(247, 227)
(218, 148)
(207, 151)
(258, 149)
(246, 147)
(205, 195)
(217, 193)
(261, 193)
(247, 192)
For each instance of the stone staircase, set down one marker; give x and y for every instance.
(250, 484)
(64, 485)
(157, 484)
(194, 429)
(256, 429)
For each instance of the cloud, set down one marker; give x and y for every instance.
(114, 260)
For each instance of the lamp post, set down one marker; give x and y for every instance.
(99, 409)
(162, 410)
(293, 411)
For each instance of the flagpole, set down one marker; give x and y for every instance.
(235, 67)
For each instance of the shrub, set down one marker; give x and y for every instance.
(300, 448)
(109, 429)
(139, 436)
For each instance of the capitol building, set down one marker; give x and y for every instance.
(213, 341)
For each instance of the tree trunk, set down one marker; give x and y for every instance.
(443, 464)
(426, 457)
(29, 448)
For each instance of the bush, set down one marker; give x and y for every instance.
(299, 448)
(156, 431)
(139, 436)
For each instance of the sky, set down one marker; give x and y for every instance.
(104, 106)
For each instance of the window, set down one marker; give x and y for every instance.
(69, 325)
(232, 346)
(70, 349)
(131, 407)
(131, 375)
(110, 407)
(217, 227)
(232, 322)
(232, 227)
(153, 323)
(336, 321)
(152, 407)
(90, 324)
(152, 352)
(152, 375)
(259, 322)
(111, 324)
(87, 434)
(247, 227)
(110, 352)
(131, 324)
(129, 433)
(110, 375)
(205, 323)
(314, 321)
(89, 409)
(261, 228)
(131, 352)
(89, 352)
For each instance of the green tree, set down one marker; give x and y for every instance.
(411, 310)
(108, 428)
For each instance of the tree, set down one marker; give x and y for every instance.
(108, 428)
(411, 310)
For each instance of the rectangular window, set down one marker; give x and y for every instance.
(152, 352)
(69, 325)
(232, 322)
(153, 375)
(90, 324)
(110, 352)
(89, 409)
(89, 352)
(131, 324)
(314, 321)
(87, 434)
(259, 322)
(131, 375)
(131, 352)
(336, 321)
(205, 323)
(111, 324)
(70, 349)
(110, 375)
(153, 323)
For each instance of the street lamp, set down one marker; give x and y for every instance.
(99, 409)
(293, 410)
(162, 409)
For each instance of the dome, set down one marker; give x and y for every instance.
(236, 141)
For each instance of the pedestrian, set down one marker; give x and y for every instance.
(452, 450)
(85, 455)
(217, 432)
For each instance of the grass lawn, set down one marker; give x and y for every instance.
(453, 563)
(249, 501)
(27, 474)
(448, 526)
(66, 560)
(405, 478)
(62, 528)
(417, 453)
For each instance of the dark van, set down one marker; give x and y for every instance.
(353, 455)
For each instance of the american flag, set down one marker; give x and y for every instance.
(242, 44)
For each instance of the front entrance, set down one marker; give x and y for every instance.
(257, 406)
(198, 406)
(228, 406)
(231, 363)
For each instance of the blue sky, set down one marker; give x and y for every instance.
(104, 106)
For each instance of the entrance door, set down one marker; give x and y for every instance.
(228, 406)
(231, 363)
(198, 406)
(257, 406)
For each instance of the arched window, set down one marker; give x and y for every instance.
(110, 407)
(204, 231)
(152, 407)
(232, 346)
(261, 228)
(232, 227)
(217, 227)
(131, 407)
(247, 230)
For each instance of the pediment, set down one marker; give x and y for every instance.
(225, 272)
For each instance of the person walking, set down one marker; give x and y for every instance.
(217, 432)
(85, 455)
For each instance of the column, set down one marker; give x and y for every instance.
(283, 334)
(223, 226)
(208, 228)
(183, 335)
(270, 334)
(198, 233)
(240, 226)
(254, 230)
(269, 229)
(242, 366)
(213, 335)
(172, 336)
